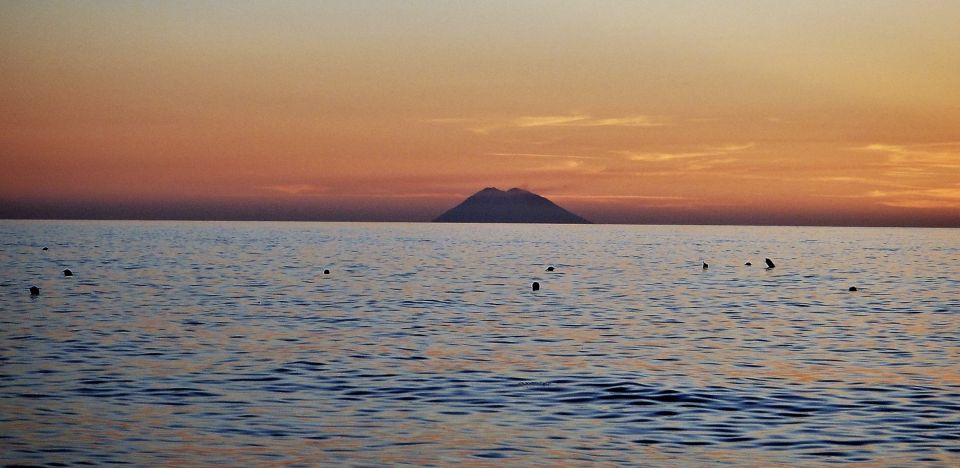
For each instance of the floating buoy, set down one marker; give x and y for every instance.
(34, 291)
(326, 272)
(536, 286)
(769, 263)
(67, 272)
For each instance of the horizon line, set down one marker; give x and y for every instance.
(294, 220)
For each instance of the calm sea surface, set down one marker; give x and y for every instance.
(224, 343)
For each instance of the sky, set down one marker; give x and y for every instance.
(706, 112)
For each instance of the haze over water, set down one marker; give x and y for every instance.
(224, 343)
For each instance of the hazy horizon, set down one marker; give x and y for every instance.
(306, 212)
(648, 112)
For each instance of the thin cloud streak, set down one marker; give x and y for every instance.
(925, 162)
(916, 157)
(548, 121)
(543, 156)
(667, 156)
(483, 126)
(619, 197)
(863, 181)
(930, 198)
(296, 189)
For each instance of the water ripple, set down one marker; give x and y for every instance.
(223, 343)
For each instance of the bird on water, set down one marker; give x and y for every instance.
(705, 266)
(536, 286)
(34, 291)
(67, 272)
(769, 263)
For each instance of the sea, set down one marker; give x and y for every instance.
(383, 344)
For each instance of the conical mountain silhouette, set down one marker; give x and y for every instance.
(492, 205)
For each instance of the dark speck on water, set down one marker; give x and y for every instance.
(194, 343)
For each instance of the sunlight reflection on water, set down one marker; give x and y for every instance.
(224, 343)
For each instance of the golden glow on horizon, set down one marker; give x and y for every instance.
(820, 108)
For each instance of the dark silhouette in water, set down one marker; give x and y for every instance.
(34, 291)
(748, 264)
(326, 272)
(769, 263)
(705, 266)
(67, 272)
(536, 286)
(44, 248)
(852, 288)
(550, 268)
(492, 205)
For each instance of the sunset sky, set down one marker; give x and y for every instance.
(757, 112)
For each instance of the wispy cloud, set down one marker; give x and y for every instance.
(584, 120)
(917, 159)
(927, 198)
(548, 121)
(619, 197)
(907, 175)
(631, 121)
(708, 164)
(918, 203)
(568, 165)
(295, 189)
(847, 179)
(871, 181)
(382, 195)
(944, 193)
(656, 157)
(543, 156)
(484, 126)
(557, 162)
(721, 150)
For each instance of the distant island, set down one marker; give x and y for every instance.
(492, 205)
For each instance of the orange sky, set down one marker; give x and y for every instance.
(805, 112)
